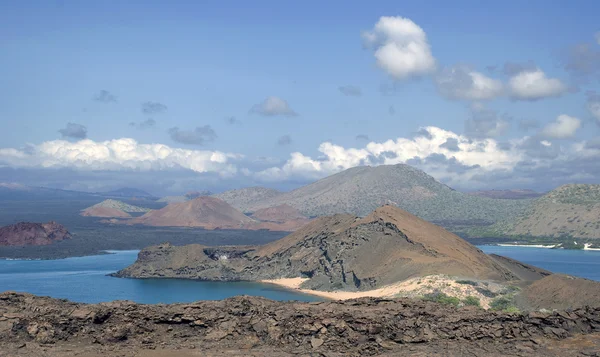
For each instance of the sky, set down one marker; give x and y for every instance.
(172, 96)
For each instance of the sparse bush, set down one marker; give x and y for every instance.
(467, 282)
(471, 301)
(442, 298)
(504, 303)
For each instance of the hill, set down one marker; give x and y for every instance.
(362, 189)
(112, 208)
(246, 198)
(507, 194)
(206, 212)
(26, 233)
(559, 291)
(340, 252)
(188, 196)
(104, 212)
(570, 210)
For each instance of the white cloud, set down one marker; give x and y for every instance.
(118, 154)
(484, 153)
(273, 106)
(461, 82)
(563, 127)
(534, 85)
(401, 47)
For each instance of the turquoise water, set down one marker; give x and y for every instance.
(583, 263)
(84, 280)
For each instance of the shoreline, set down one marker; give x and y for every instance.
(546, 246)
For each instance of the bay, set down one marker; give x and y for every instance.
(84, 279)
(582, 263)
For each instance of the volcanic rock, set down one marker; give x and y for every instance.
(27, 233)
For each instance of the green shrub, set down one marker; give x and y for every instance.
(467, 282)
(442, 298)
(504, 303)
(471, 301)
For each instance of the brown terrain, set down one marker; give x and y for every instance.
(26, 233)
(252, 326)
(341, 252)
(105, 212)
(559, 291)
(213, 213)
(206, 212)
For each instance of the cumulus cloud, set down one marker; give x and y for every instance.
(74, 131)
(562, 128)
(273, 106)
(350, 91)
(593, 105)
(105, 96)
(401, 47)
(534, 84)
(362, 137)
(284, 140)
(148, 123)
(484, 122)
(461, 82)
(118, 154)
(152, 108)
(198, 136)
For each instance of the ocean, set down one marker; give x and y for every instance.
(84, 279)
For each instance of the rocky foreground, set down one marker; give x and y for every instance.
(28, 233)
(250, 326)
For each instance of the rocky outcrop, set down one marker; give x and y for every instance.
(340, 252)
(364, 327)
(27, 233)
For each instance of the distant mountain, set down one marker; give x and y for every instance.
(15, 191)
(206, 212)
(570, 210)
(362, 189)
(245, 199)
(26, 233)
(112, 208)
(127, 192)
(507, 194)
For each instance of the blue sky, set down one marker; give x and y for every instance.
(212, 60)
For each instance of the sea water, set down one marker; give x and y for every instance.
(85, 279)
(582, 263)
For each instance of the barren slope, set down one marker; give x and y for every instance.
(105, 212)
(207, 212)
(245, 198)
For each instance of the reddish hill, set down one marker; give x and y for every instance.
(105, 212)
(26, 233)
(206, 212)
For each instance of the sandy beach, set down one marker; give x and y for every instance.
(415, 287)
